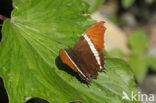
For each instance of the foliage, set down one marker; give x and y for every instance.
(29, 62)
(138, 41)
(139, 66)
(139, 60)
(94, 4)
(127, 3)
(116, 53)
(151, 60)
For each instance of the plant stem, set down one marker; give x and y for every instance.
(2, 17)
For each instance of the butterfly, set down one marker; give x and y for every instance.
(87, 57)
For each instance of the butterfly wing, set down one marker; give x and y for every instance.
(96, 34)
(91, 44)
(87, 56)
(70, 58)
(67, 60)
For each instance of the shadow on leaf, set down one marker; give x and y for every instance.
(68, 70)
(37, 100)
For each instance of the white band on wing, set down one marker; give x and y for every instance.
(93, 49)
(75, 65)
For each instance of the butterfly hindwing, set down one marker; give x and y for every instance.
(79, 64)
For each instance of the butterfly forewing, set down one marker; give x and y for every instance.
(96, 34)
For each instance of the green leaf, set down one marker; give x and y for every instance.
(151, 60)
(106, 54)
(138, 41)
(118, 77)
(29, 62)
(94, 4)
(127, 3)
(139, 66)
(116, 53)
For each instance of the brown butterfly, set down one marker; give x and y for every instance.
(87, 57)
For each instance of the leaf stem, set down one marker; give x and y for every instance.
(2, 17)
